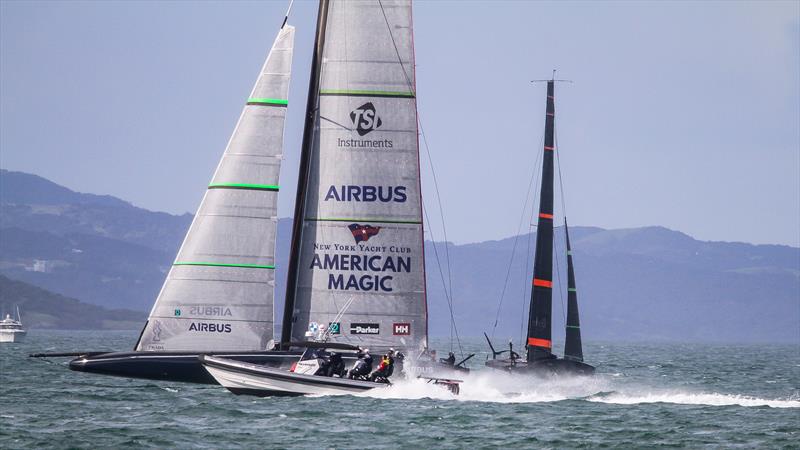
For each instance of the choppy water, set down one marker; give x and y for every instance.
(645, 395)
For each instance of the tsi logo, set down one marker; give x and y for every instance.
(365, 119)
(401, 329)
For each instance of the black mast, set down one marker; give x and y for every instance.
(572, 347)
(302, 179)
(539, 320)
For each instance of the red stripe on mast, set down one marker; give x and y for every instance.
(542, 283)
(540, 343)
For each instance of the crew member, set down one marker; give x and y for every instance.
(450, 360)
(385, 368)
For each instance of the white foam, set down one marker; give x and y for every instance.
(499, 387)
(689, 398)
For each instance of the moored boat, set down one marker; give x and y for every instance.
(11, 330)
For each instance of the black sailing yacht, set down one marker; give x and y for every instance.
(540, 357)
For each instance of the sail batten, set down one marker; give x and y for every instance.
(218, 294)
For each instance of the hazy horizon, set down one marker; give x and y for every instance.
(469, 242)
(680, 115)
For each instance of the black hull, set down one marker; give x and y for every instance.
(170, 366)
(185, 366)
(543, 367)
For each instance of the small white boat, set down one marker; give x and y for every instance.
(11, 330)
(303, 378)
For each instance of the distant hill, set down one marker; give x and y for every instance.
(634, 284)
(33, 203)
(637, 284)
(43, 309)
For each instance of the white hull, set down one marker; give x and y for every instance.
(246, 378)
(12, 336)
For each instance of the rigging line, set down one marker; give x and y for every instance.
(338, 318)
(527, 294)
(430, 161)
(286, 17)
(558, 164)
(335, 123)
(444, 284)
(522, 217)
(525, 304)
(560, 286)
(563, 210)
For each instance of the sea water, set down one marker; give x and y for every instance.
(644, 395)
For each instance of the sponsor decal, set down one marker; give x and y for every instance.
(157, 331)
(364, 143)
(365, 328)
(366, 194)
(218, 311)
(401, 329)
(365, 119)
(210, 327)
(177, 312)
(362, 233)
(313, 327)
(363, 263)
(334, 328)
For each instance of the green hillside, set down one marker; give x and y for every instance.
(45, 310)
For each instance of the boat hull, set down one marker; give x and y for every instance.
(543, 367)
(12, 336)
(170, 366)
(253, 379)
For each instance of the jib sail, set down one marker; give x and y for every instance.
(572, 345)
(218, 294)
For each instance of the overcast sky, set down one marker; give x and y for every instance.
(681, 114)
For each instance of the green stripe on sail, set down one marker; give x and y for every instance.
(569, 252)
(572, 326)
(244, 266)
(366, 93)
(259, 187)
(268, 101)
(572, 290)
(349, 219)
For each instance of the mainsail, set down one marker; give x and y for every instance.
(218, 294)
(360, 264)
(539, 321)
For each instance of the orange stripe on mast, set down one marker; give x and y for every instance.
(540, 342)
(542, 283)
(546, 216)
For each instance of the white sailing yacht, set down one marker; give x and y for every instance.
(11, 330)
(357, 267)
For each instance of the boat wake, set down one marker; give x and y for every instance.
(690, 398)
(507, 388)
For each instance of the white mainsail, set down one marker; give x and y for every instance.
(219, 293)
(361, 260)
